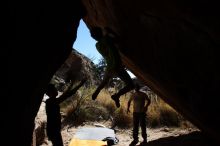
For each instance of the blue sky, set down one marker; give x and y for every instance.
(85, 44)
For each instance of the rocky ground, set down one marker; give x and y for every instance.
(124, 135)
(164, 136)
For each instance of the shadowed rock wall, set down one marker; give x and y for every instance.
(39, 37)
(173, 47)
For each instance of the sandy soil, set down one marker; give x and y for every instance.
(156, 137)
(125, 135)
(163, 135)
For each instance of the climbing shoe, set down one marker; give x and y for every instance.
(94, 96)
(133, 143)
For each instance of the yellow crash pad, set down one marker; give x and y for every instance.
(79, 142)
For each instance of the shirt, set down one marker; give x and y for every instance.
(139, 99)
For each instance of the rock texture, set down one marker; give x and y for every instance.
(38, 37)
(76, 67)
(171, 45)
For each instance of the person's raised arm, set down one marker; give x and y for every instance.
(148, 102)
(129, 103)
(69, 92)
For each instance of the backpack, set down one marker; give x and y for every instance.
(111, 140)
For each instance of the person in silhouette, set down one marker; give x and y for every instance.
(53, 112)
(106, 47)
(139, 114)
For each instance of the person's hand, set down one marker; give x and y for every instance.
(128, 111)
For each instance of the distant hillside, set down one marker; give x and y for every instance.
(76, 67)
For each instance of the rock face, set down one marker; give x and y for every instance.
(38, 37)
(170, 45)
(173, 47)
(76, 67)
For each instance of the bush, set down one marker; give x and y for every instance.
(159, 113)
(153, 119)
(169, 117)
(122, 119)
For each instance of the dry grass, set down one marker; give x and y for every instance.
(159, 113)
(119, 115)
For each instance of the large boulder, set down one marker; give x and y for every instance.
(77, 67)
(173, 47)
(38, 37)
(170, 45)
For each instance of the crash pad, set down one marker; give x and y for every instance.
(91, 136)
(79, 142)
